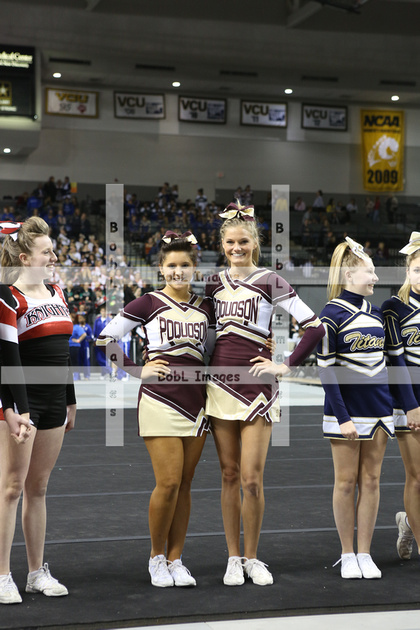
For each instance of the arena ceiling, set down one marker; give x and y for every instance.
(341, 51)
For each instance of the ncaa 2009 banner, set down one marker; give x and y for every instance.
(383, 150)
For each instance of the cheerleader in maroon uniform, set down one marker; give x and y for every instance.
(44, 327)
(242, 410)
(171, 415)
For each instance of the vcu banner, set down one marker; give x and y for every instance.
(383, 150)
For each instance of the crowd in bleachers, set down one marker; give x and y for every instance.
(316, 229)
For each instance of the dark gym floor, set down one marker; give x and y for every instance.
(98, 543)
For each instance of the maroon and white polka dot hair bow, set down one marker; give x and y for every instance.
(170, 236)
(10, 228)
(236, 211)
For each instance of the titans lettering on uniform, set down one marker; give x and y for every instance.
(354, 341)
(402, 325)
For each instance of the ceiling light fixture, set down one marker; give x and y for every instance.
(288, 91)
(395, 98)
(7, 150)
(176, 84)
(57, 75)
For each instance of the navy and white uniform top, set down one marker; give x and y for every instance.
(358, 391)
(243, 311)
(402, 326)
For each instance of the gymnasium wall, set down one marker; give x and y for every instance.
(144, 153)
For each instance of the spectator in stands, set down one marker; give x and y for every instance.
(300, 205)
(76, 223)
(369, 207)
(38, 192)
(85, 353)
(247, 196)
(66, 188)
(381, 255)
(174, 193)
(330, 209)
(8, 214)
(330, 243)
(50, 190)
(238, 194)
(84, 225)
(367, 249)
(391, 207)
(201, 200)
(376, 216)
(352, 207)
(318, 201)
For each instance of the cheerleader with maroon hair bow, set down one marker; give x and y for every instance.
(171, 415)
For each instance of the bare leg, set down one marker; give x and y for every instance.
(409, 444)
(193, 447)
(346, 465)
(371, 456)
(46, 449)
(167, 455)
(227, 438)
(14, 464)
(255, 441)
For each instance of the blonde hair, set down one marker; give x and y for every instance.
(404, 291)
(26, 235)
(343, 258)
(249, 226)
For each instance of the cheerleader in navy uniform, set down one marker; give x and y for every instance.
(244, 298)
(402, 325)
(171, 416)
(44, 327)
(358, 406)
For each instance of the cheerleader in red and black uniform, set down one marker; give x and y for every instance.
(14, 401)
(44, 327)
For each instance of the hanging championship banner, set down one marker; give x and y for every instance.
(263, 113)
(134, 105)
(383, 149)
(71, 103)
(208, 110)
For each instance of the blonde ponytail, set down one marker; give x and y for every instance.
(343, 258)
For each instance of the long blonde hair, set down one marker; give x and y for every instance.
(341, 260)
(404, 292)
(26, 235)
